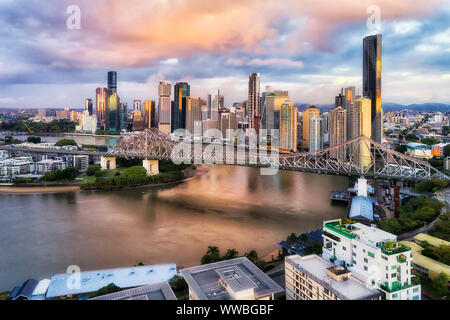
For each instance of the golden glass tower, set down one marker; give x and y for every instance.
(308, 113)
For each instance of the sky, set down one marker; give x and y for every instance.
(311, 48)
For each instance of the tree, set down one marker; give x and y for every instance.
(304, 238)
(252, 256)
(178, 283)
(292, 238)
(34, 139)
(230, 254)
(212, 255)
(401, 148)
(66, 142)
(91, 170)
(411, 137)
(110, 288)
(136, 172)
(440, 284)
(429, 141)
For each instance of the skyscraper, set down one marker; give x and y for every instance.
(338, 130)
(181, 91)
(164, 115)
(193, 113)
(362, 126)
(288, 127)
(137, 106)
(372, 81)
(215, 102)
(89, 106)
(315, 133)
(348, 102)
(308, 113)
(112, 82)
(100, 105)
(113, 114)
(254, 102)
(123, 116)
(149, 114)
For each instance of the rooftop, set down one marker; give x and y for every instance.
(239, 274)
(431, 240)
(361, 208)
(157, 291)
(351, 289)
(426, 262)
(123, 278)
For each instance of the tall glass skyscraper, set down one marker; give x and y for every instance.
(100, 105)
(254, 100)
(181, 91)
(123, 116)
(90, 106)
(372, 81)
(112, 82)
(113, 114)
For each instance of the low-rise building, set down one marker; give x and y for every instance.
(157, 291)
(17, 166)
(48, 165)
(425, 266)
(235, 279)
(419, 150)
(313, 278)
(81, 285)
(81, 163)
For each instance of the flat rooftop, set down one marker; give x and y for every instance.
(238, 274)
(123, 278)
(361, 231)
(351, 289)
(157, 291)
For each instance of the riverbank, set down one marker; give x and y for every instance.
(189, 174)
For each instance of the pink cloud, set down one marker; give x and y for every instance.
(134, 33)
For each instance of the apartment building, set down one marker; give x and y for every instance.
(373, 256)
(313, 278)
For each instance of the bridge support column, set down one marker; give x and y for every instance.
(152, 167)
(108, 163)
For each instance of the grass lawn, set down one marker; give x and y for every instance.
(4, 295)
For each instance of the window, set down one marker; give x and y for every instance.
(395, 295)
(365, 260)
(354, 254)
(415, 289)
(393, 275)
(387, 268)
(344, 248)
(365, 268)
(416, 298)
(370, 254)
(393, 267)
(384, 257)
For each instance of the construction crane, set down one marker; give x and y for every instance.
(28, 128)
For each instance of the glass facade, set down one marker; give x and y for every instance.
(181, 91)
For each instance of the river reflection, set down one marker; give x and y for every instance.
(230, 207)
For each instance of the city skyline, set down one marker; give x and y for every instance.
(290, 47)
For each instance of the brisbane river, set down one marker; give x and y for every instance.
(229, 207)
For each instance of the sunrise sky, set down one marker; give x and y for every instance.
(310, 47)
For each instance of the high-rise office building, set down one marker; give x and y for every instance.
(308, 113)
(362, 126)
(288, 127)
(123, 116)
(150, 114)
(315, 138)
(112, 122)
(348, 102)
(164, 115)
(254, 102)
(193, 113)
(137, 106)
(215, 102)
(372, 82)
(339, 101)
(228, 122)
(112, 82)
(100, 105)
(181, 91)
(89, 106)
(338, 130)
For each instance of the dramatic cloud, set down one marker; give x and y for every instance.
(310, 46)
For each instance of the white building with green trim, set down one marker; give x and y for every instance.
(374, 256)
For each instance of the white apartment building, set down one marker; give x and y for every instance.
(81, 163)
(16, 166)
(373, 256)
(47, 165)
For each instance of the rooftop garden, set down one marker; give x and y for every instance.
(391, 247)
(345, 229)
